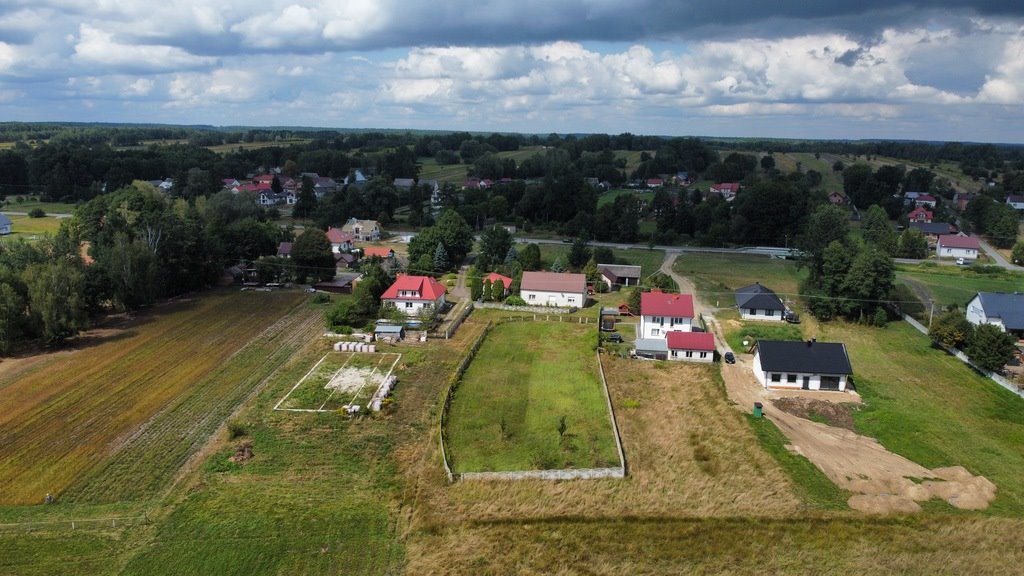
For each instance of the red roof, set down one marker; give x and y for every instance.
(425, 287)
(655, 181)
(727, 187)
(957, 241)
(665, 304)
(691, 341)
(926, 198)
(495, 277)
(382, 251)
(919, 211)
(336, 236)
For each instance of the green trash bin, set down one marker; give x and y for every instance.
(758, 409)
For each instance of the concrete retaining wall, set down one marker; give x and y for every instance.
(537, 309)
(581, 474)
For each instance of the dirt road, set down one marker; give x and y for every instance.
(882, 482)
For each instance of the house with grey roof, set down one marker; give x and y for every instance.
(757, 302)
(619, 275)
(798, 365)
(5, 225)
(1002, 309)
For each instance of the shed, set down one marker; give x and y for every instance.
(388, 332)
(608, 316)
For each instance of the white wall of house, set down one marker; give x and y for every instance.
(559, 299)
(760, 314)
(658, 326)
(947, 252)
(691, 355)
(794, 380)
(976, 315)
(413, 307)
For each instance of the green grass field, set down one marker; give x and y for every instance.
(931, 408)
(717, 276)
(610, 196)
(955, 286)
(31, 228)
(525, 378)
(649, 261)
(13, 205)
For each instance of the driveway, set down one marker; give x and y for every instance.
(881, 481)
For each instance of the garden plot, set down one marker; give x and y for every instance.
(339, 379)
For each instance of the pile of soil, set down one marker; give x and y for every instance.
(242, 453)
(839, 415)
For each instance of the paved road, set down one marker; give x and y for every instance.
(993, 254)
(57, 215)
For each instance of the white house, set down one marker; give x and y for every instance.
(809, 365)
(691, 346)
(1001, 309)
(5, 225)
(340, 241)
(412, 294)
(661, 313)
(1016, 201)
(554, 289)
(957, 246)
(757, 302)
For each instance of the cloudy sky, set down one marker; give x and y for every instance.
(937, 70)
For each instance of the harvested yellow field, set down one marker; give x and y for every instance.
(157, 375)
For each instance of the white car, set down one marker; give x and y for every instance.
(960, 262)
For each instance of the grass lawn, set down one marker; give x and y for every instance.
(525, 378)
(610, 196)
(32, 228)
(950, 285)
(13, 205)
(649, 261)
(717, 276)
(931, 408)
(737, 331)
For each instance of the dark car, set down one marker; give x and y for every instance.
(729, 358)
(615, 337)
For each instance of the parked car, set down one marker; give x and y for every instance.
(615, 337)
(960, 261)
(791, 317)
(730, 358)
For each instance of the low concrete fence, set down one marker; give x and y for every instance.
(536, 309)
(580, 474)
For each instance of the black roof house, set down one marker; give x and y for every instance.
(759, 297)
(810, 357)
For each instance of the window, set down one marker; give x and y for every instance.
(571, 300)
(655, 332)
(791, 378)
(703, 354)
(533, 296)
(675, 354)
(658, 319)
(408, 304)
(754, 311)
(769, 313)
(689, 353)
(776, 377)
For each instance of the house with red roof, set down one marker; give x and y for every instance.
(836, 198)
(415, 294)
(727, 190)
(505, 281)
(655, 182)
(691, 346)
(957, 246)
(925, 200)
(920, 214)
(378, 251)
(554, 289)
(341, 241)
(661, 313)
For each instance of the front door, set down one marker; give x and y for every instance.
(807, 383)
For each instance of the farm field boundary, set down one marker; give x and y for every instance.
(531, 394)
(338, 379)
